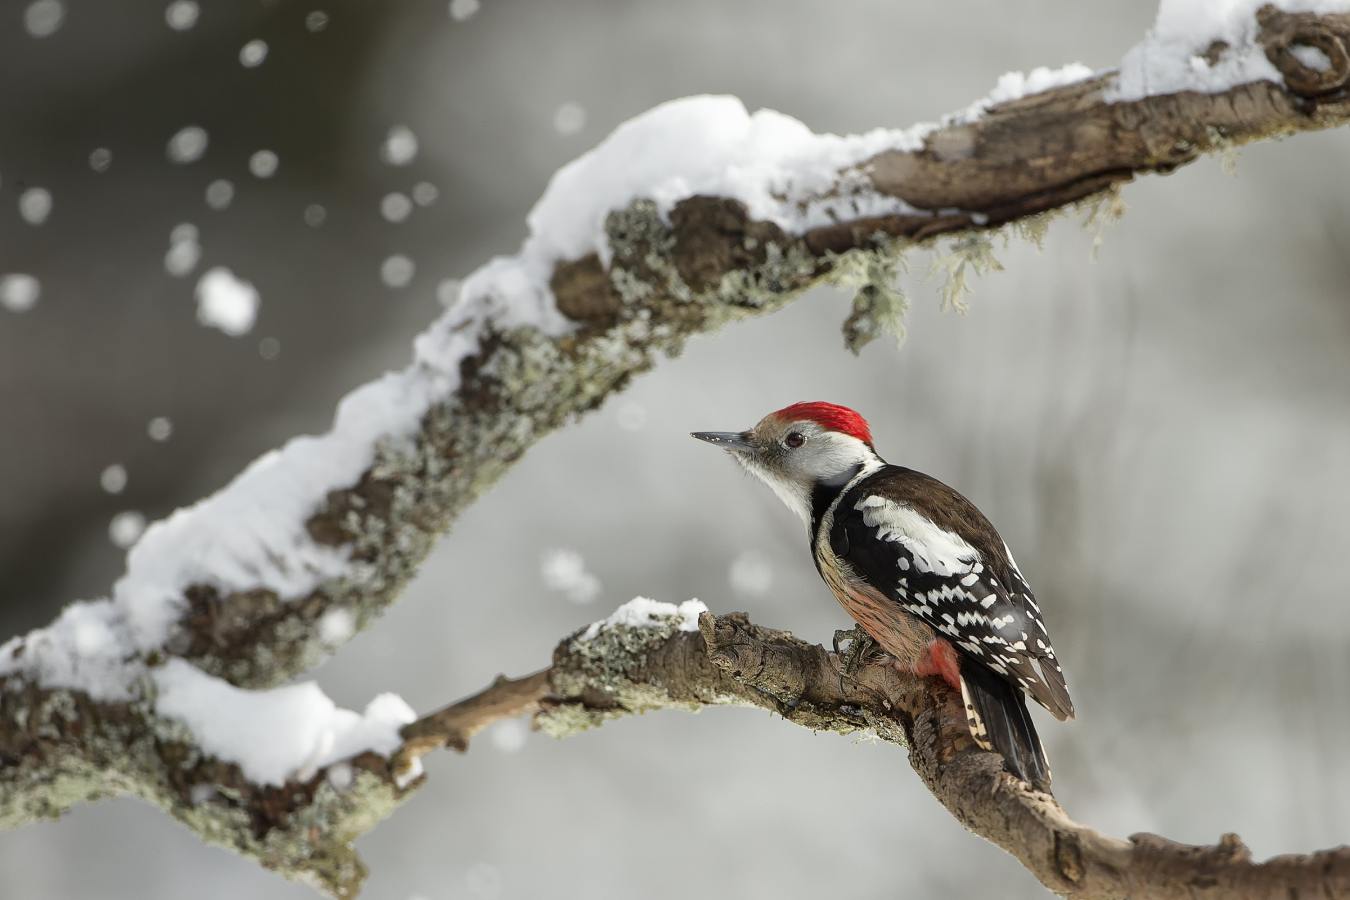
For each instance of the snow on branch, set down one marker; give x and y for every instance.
(689, 216)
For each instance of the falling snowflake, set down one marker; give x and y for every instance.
(400, 146)
(509, 735)
(35, 205)
(565, 571)
(397, 271)
(44, 17)
(181, 15)
(188, 145)
(269, 348)
(114, 478)
(19, 292)
(462, 10)
(751, 574)
(395, 207)
(424, 193)
(184, 251)
(160, 429)
(226, 302)
(263, 164)
(569, 119)
(219, 194)
(125, 528)
(252, 54)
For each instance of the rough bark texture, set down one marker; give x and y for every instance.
(704, 265)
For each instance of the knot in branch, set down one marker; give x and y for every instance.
(1309, 50)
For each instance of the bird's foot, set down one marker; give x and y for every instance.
(860, 647)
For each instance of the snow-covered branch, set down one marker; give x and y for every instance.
(690, 216)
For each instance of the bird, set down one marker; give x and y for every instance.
(919, 568)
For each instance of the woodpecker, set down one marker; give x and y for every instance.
(918, 567)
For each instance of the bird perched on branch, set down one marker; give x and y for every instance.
(918, 567)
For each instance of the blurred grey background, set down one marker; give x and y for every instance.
(1162, 435)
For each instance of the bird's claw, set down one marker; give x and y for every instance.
(861, 645)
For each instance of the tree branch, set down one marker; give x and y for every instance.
(732, 662)
(708, 263)
(257, 583)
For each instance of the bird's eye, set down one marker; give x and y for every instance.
(794, 439)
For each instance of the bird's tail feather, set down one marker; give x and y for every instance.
(999, 720)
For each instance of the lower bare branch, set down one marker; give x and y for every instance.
(731, 661)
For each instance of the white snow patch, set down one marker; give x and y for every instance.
(316, 21)
(82, 650)
(226, 302)
(340, 776)
(643, 612)
(773, 163)
(278, 734)
(1016, 85)
(565, 571)
(1172, 57)
(409, 775)
(1311, 57)
(100, 158)
(400, 146)
(188, 145)
(35, 205)
(19, 292)
(336, 626)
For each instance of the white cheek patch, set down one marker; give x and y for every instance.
(796, 496)
(827, 454)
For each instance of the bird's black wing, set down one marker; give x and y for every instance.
(926, 547)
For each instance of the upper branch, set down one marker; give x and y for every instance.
(249, 584)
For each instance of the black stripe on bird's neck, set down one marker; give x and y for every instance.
(823, 493)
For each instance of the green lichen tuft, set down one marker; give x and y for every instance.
(1102, 209)
(879, 305)
(967, 254)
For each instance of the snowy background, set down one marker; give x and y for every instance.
(1163, 435)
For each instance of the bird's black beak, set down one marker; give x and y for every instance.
(731, 441)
